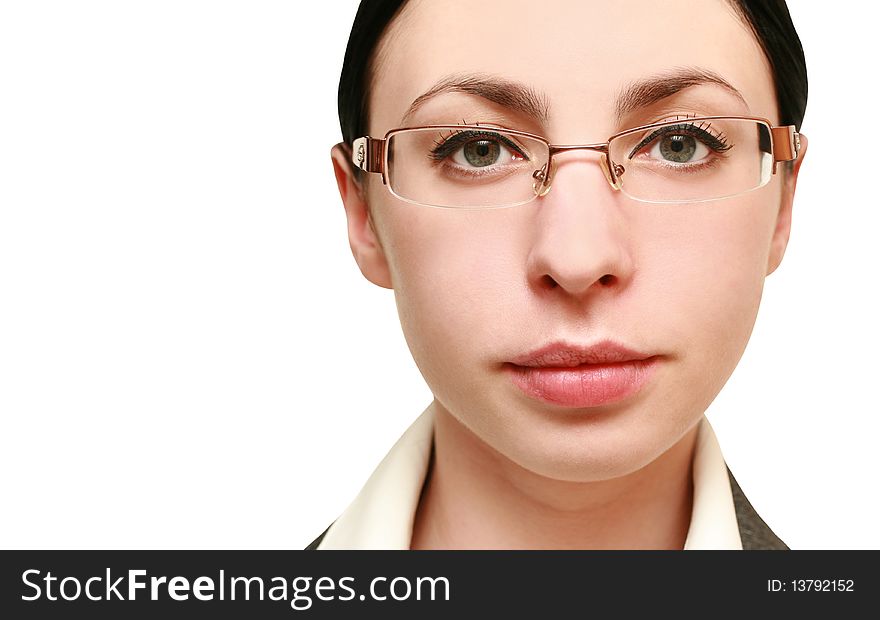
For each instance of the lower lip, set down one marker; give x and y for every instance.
(588, 385)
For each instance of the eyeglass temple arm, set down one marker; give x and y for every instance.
(786, 143)
(368, 154)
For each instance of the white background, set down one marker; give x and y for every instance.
(189, 355)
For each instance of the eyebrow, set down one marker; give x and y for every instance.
(642, 93)
(523, 98)
(513, 95)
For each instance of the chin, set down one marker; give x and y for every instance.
(581, 456)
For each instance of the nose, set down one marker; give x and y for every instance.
(581, 241)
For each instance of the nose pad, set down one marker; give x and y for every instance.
(613, 180)
(543, 176)
(542, 180)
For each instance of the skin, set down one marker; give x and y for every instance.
(583, 263)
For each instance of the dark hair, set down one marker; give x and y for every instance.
(371, 21)
(771, 23)
(769, 20)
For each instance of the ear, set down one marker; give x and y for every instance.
(783, 220)
(362, 237)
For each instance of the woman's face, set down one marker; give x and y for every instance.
(584, 263)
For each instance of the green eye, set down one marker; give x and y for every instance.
(678, 148)
(482, 153)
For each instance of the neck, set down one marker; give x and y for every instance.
(475, 498)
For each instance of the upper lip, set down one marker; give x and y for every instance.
(564, 355)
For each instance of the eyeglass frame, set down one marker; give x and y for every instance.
(370, 155)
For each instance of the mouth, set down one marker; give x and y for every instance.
(582, 376)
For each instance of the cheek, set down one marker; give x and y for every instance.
(455, 278)
(708, 266)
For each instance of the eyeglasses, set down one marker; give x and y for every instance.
(687, 159)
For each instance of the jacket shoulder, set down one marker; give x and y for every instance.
(314, 544)
(753, 531)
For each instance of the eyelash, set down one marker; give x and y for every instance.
(447, 145)
(715, 141)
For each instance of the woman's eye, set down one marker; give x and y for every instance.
(483, 152)
(679, 149)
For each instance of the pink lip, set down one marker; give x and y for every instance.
(577, 376)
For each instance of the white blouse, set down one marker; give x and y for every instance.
(382, 514)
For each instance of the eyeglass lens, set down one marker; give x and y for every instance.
(679, 161)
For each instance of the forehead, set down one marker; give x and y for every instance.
(577, 54)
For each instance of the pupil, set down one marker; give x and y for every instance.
(679, 149)
(481, 153)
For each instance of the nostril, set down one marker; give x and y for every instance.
(551, 283)
(605, 280)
